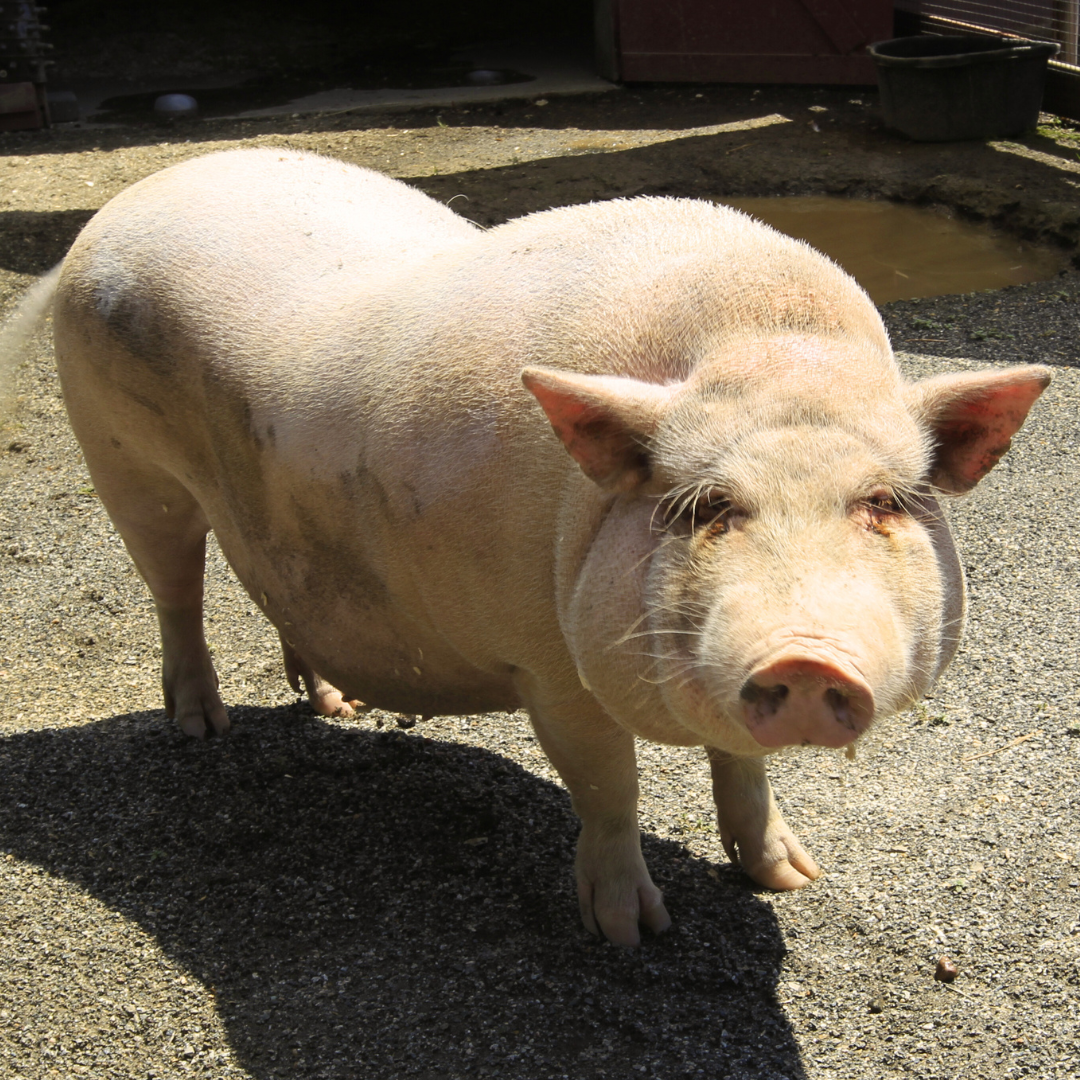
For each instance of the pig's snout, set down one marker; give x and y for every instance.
(796, 701)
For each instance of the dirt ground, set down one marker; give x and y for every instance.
(312, 898)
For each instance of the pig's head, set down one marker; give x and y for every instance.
(767, 562)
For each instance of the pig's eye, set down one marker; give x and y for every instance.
(709, 510)
(883, 501)
(880, 507)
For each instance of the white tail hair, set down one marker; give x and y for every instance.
(20, 328)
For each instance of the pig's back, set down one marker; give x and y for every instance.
(238, 246)
(651, 286)
(645, 287)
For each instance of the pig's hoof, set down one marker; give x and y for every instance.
(190, 684)
(619, 920)
(782, 876)
(616, 901)
(205, 715)
(326, 700)
(779, 863)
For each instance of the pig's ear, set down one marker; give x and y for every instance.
(972, 419)
(604, 421)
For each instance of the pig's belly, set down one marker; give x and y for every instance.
(379, 668)
(365, 640)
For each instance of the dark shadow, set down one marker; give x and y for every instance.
(776, 159)
(770, 160)
(656, 106)
(781, 159)
(386, 68)
(33, 241)
(381, 881)
(280, 34)
(695, 166)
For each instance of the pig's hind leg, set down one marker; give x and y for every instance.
(164, 529)
(325, 699)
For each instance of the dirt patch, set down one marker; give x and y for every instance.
(499, 161)
(333, 899)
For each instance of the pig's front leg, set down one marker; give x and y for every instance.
(752, 829)
(595, 758)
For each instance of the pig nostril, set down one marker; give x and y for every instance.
(841, 706)
(765, 699)
(802, 699)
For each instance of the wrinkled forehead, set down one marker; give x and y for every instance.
(790, 396)
(792, 442)
(805, 455)
(794, 363)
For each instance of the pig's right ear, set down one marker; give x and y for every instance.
(605, 421)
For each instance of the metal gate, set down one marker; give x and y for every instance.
(1044, 20)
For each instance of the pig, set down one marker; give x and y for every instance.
(642, 467)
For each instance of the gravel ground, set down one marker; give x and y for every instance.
(313, 898)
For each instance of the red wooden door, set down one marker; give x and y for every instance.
(802, 41)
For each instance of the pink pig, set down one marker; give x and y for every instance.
(731, 540)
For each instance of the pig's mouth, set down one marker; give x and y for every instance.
(797, 700)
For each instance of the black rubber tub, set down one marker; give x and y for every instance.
(937, 89)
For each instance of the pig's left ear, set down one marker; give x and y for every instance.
(605, 421)
(972, 419)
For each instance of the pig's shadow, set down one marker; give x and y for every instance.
(383, 883)
(34, 241)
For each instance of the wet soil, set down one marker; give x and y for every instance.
(897, 251)
(311, 898)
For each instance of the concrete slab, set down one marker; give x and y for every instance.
(92, 92)
(554, 70)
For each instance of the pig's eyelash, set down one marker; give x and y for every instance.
(891, 500)
(703, 505)
(671, 507)
(882, 503)
(903, 492)
(884, 500)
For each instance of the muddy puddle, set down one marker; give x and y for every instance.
(901, 252)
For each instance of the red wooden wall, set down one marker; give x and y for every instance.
(800, 41)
